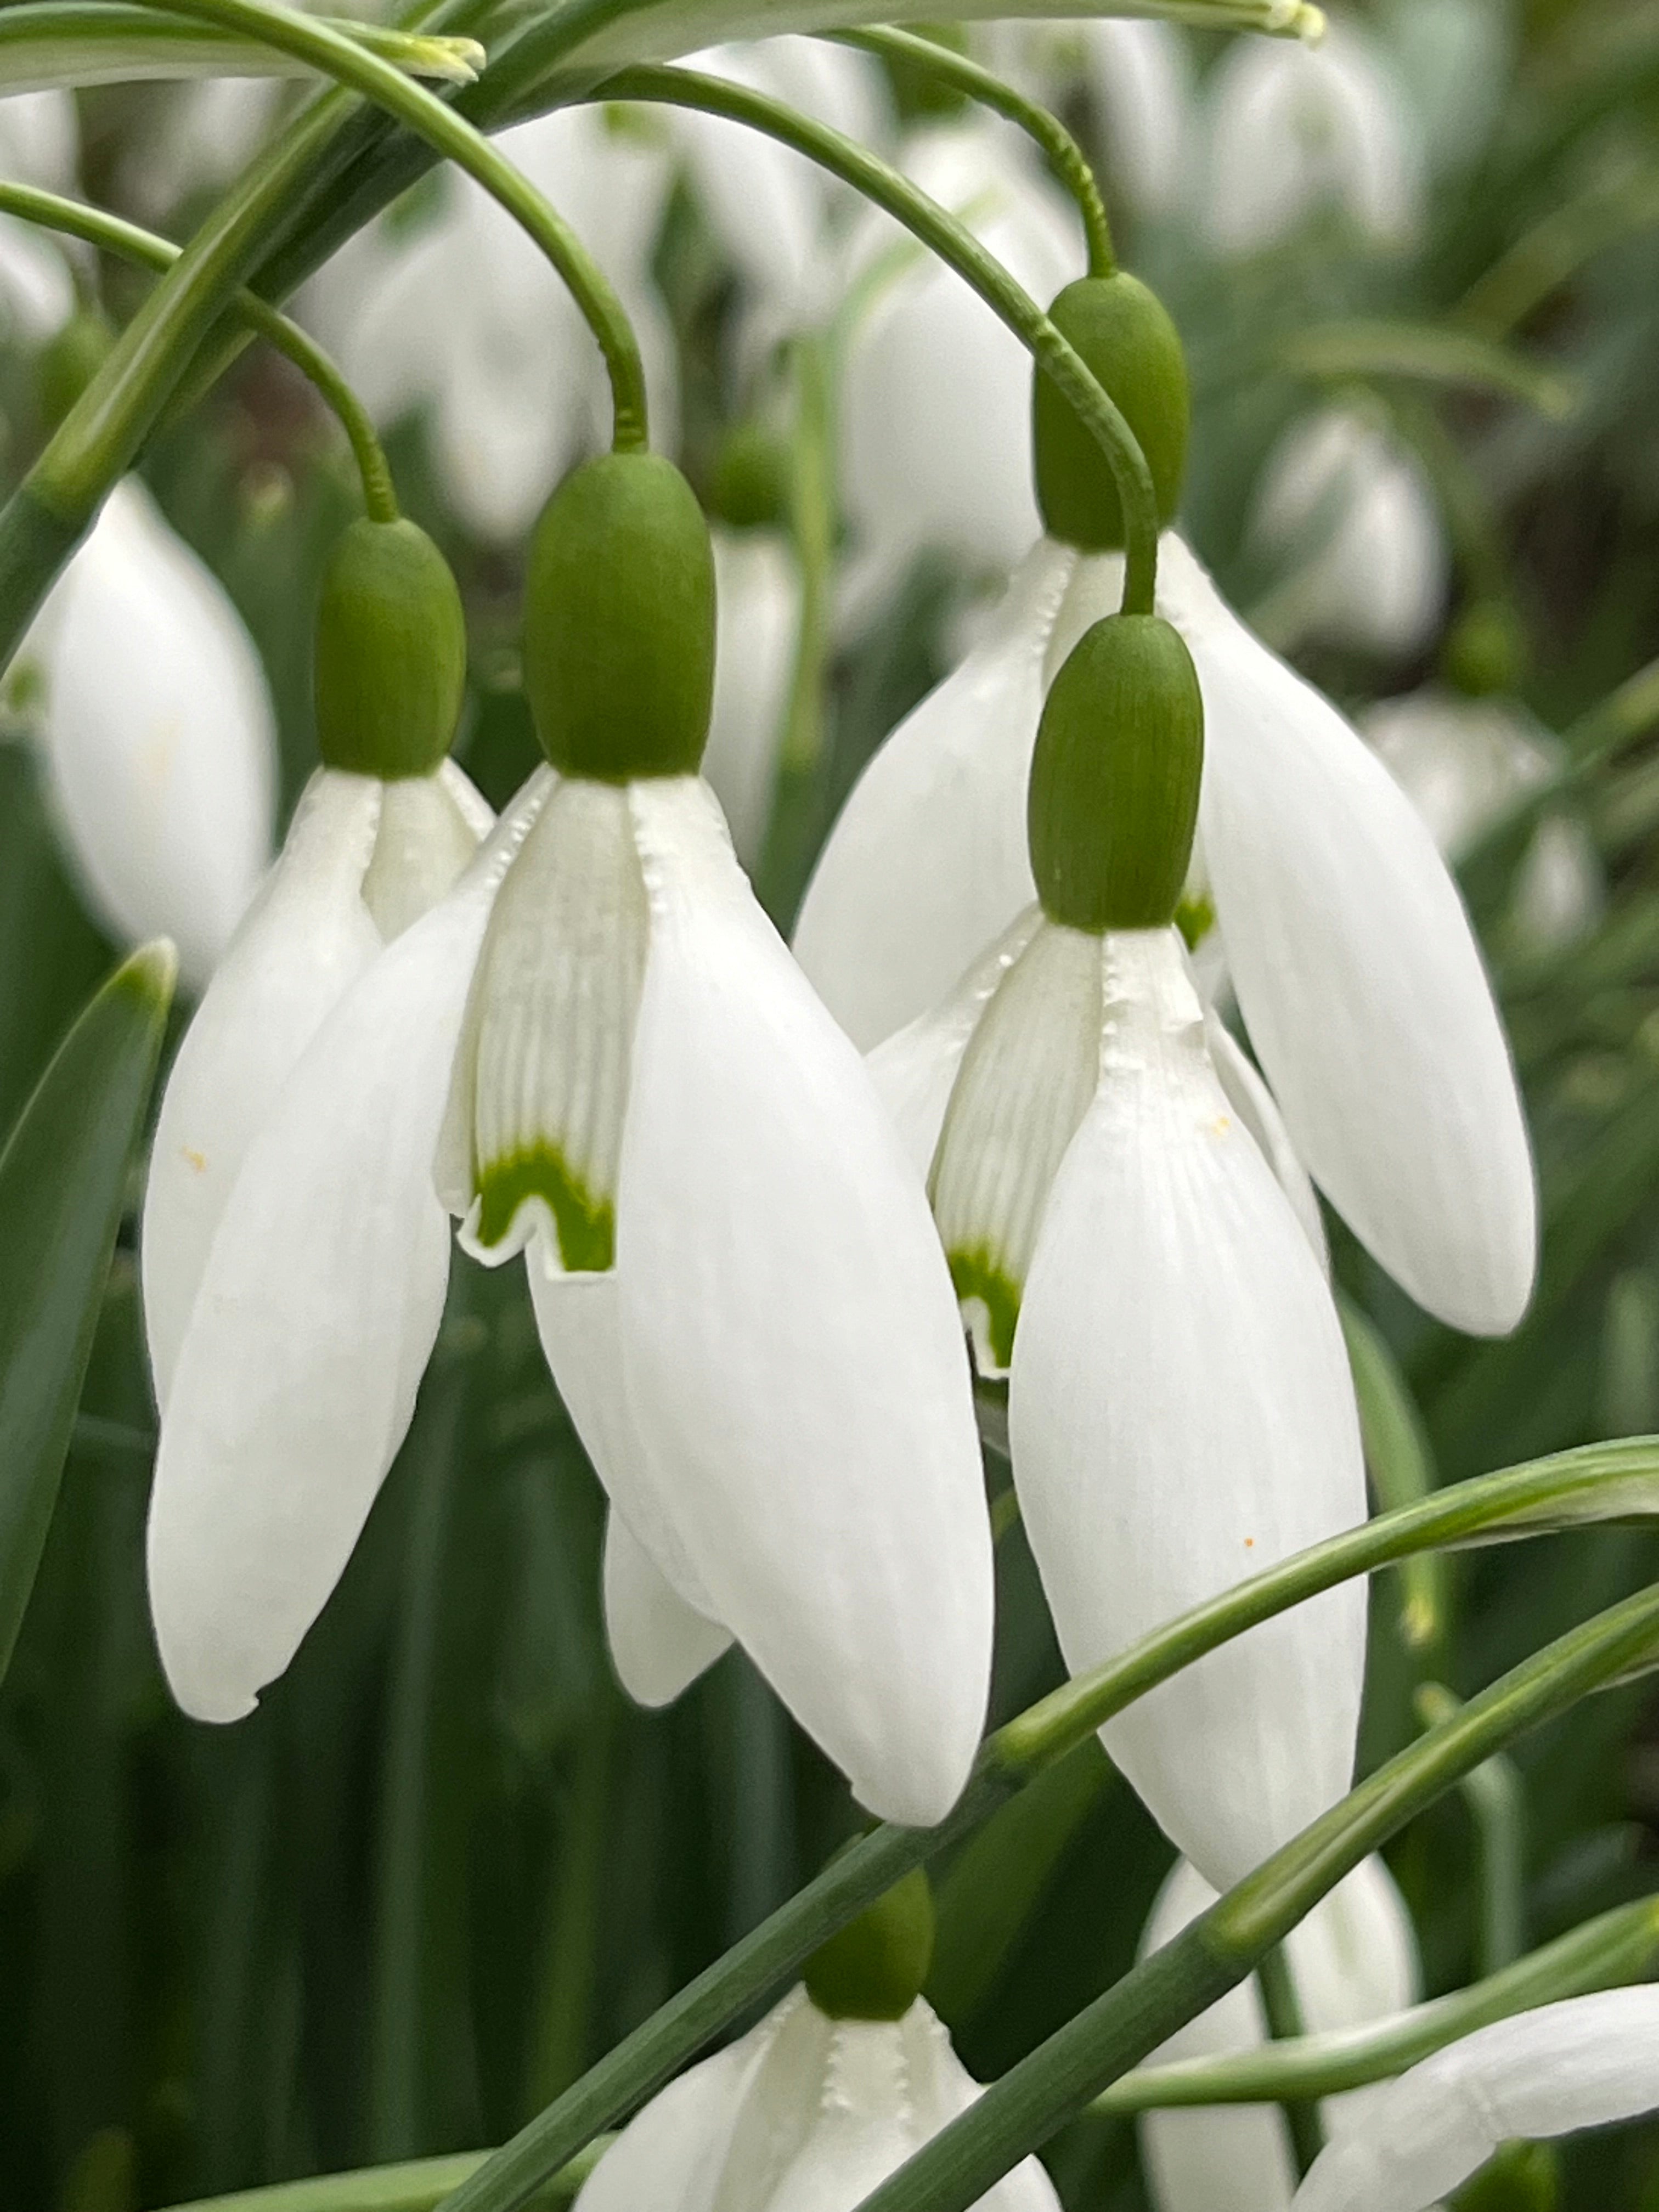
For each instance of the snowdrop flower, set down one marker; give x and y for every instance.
(1351, 515)
(757, 595)
(1349, 953)
(1585, 2063)
(836, 2088)
(934, 390)
(1295, 131)
(1464, 762)
(736, 1277)
(463, 314)
(159, 735)
(38, 145)
(1180, 1411)
(294, 1253)
(1353, 1960)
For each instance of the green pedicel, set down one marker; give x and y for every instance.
(390, 653)
(586, 1226)
(1125, 337)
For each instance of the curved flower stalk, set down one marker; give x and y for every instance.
(1350, 952)
(38, 145)
(738, 1284)
(1352, 1960)
(933, 394)
(1464, 762)
(159, 735)
(1294, 132)
(1585, 2063)
(1347, 517)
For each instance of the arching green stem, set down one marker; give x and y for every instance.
(955, 245)
(1066, 157)
(75, 42)
(114, 236)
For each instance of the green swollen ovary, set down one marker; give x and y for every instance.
(976, 1276)
(586, 1224)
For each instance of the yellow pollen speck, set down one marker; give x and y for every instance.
(1221, 1124)
(198, 1160)
(1250, 1543)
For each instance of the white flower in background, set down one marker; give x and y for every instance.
(1138, 74)
(936, 393)
(39, 144)
(460, 313)
(1464, 762)
(1348, 517)
(1295, 131)
(1586, 2062)
(757, 581)
(805, 2114)
(159, 735)
(1350, 952)
(1352, 1960)
(199, 136)
(1456, 61)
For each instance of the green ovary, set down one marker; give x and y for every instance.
(586, 1224)
(977, 1276)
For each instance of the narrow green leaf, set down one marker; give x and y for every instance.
(63, 1176)
(1425, 353)
(1402, 1465)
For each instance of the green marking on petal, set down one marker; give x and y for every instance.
(1194, 917)
(586, 1224)
(977, 1276)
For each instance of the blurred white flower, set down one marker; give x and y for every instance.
(1353, 1960)
(1456, 61)
(1180, 1411)
(463, 314)
(738, 1287)
(159, 735)
(39, 144)
(1348, 517)
(294, 1253)
(199, 136)
(1138, 73)
(1464, 762)
(935, 405)
(1295, 131)
(1352, 959)
(758, 583)
(1585, 2063)
(805, 2114)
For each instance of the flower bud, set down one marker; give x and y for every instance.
(1125, 335)
(1113, 799)
(1485, 650)
(619, 622)
(874, 1968)
(390, 653)
(1520, 2176)
(749, 486)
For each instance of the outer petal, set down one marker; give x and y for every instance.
(942, 2088)
(659, 1644)
(1582, 2063)
(1181, 1415)
(1258, 1109)
(791, 1351)
(927, 862)
(160, 740)
(306, 939)
(1354, 1958)
(320, 1301)
(758, 594)
(1359, 977)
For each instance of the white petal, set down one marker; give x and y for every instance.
(1257, 1109)
(757, 595)
(863, 2125)
(1141, 77)
(1359, 978)
(1582, 2063)
(1181, 1416)
(927, 862)
(790, 1344)
(669, 2157)
(1027, 1079)
(37, 291)
(914, 1069)
(160, 740)
(659, 1643)
(318, 1310)
(429, 830)
(1354, 1960)
(942, 2089)
(306, 939)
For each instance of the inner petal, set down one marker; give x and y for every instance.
(1029, 1071)
(429, 830)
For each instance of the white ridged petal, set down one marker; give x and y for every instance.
(544, 1075)
(791, 1350)
(306, 939)
(927, 862)
(659, 1643)
(1583, 2063)
(1181, 1415)
(1354, 1960)
(1258, 1109)
(159, 738)
(1359, 978)
(757, 596)
(318, 1308)
(1027, 1077)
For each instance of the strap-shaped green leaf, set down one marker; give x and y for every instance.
(63, 1178)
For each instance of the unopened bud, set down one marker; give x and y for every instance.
(1125, 335)
(390, 653)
